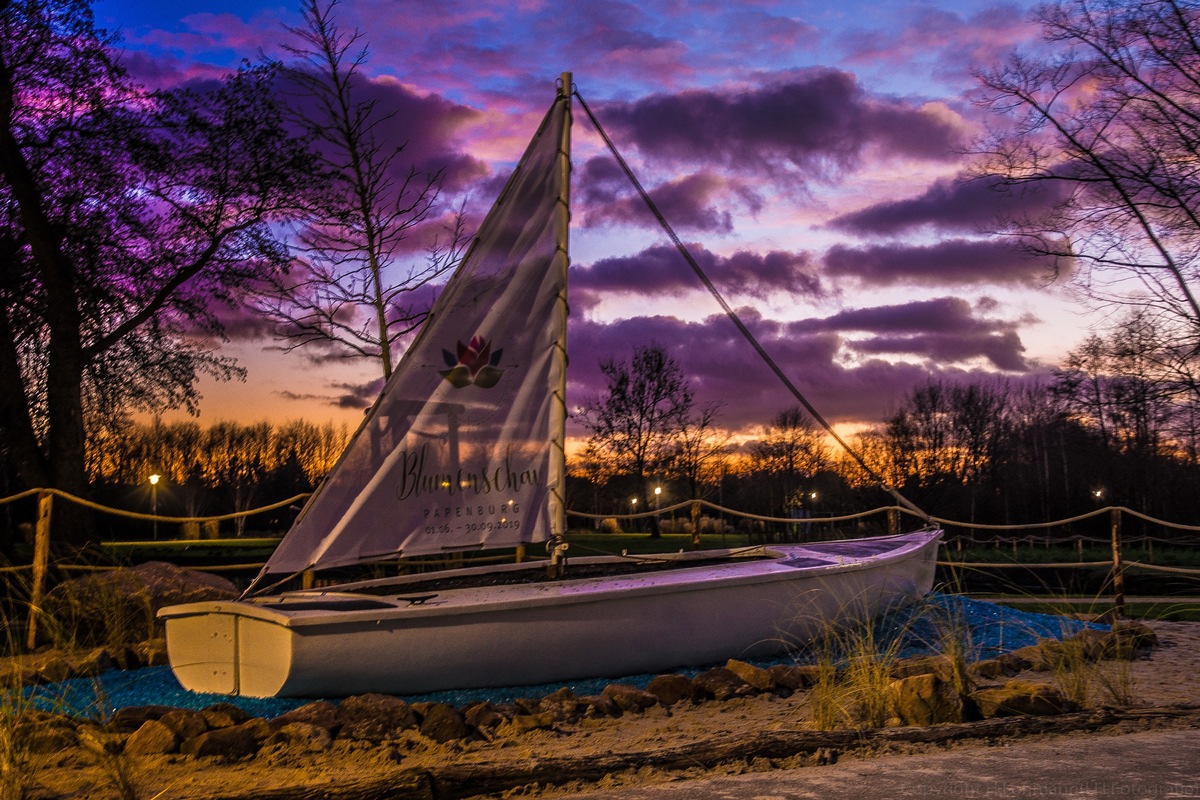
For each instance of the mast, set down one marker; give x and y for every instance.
(558, 412)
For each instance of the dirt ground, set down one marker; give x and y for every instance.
(1168, 676)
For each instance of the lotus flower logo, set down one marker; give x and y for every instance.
(475, 364)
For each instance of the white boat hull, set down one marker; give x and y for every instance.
(341, 643)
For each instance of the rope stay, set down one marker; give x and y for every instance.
(746, 333)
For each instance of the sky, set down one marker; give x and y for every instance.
(815, 156)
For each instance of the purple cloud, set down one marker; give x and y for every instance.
(943, 330)
(661, 270)
(694, 202)
(949, 262)
(969, 204)
(812, 123)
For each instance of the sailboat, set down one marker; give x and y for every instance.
(465, 450)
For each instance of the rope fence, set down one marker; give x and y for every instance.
(694, 509)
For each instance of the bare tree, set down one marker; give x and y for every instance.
(351, 293)
(638, 419)
(1109, 127)
(698, 447)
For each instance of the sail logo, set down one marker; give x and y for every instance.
(474, 364)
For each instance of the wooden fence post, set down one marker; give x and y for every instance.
(893, 520)
(41, 562)
(1118, 566)
(696, 525)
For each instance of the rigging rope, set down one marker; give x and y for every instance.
(741, 326)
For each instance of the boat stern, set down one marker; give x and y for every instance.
(217, 648)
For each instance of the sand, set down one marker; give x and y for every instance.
(1166, 677)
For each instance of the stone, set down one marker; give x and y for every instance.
(671, 689)
(130, 718)
(375, 717)
(1019, 697)
(1032, 657)
(599, 705)
(153, 738)
(45, 734)
(442, 723)
(55, 669)
(186, 723)
(321, 713)
(235, 742)
(563, 704)
(721, 684)
(940, 666)
(304, 736)
(523, 723)
(629, 698)
(484, 715)
(224, 715)
(92, 663)
(989, 668)
(794, 676)
(924, 699)
(757, 677)
(152, 652)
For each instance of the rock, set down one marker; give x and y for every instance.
(629, 698)
(721, 684)
(117, 607)
(599, 705)
(152, 652)
(235, 742)
(990, 668)
(321, 713)
(131, 718)
(1019, 697)
(154, 738)
(442, 722)
(1030, 657)
(304, 736)
(563, 704)
(924, 699)
(523, 723)
(794, 677)
(92, 663)
(375, 717)
(224, 715)
(940, 666)
(757, 677)
(186, 723)
(54, 669)
(671, 689)
(484, 716)
(45, 733)
(100, 741)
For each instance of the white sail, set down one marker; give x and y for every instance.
(461, 450)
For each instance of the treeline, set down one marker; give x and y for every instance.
(211, 470)
(993, 452)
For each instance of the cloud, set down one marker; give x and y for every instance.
(951, 262)
(944, 330)
(965, 204)
(816, 122)
(693, 202)
(946, 333)
(341, 395)
(661, 270)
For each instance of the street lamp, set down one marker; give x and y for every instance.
(154, 502)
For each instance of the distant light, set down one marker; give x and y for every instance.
(633, 501)
(658, 490)
(154, 479)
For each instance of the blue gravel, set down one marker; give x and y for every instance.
(985, 629)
